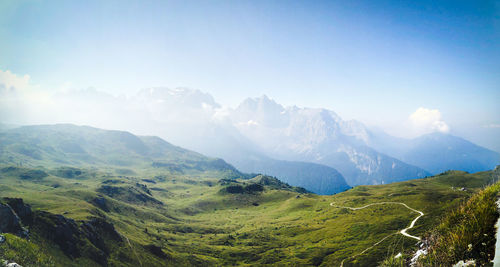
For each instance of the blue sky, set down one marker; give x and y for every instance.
(376, 61)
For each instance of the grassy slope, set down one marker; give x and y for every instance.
(199, 224)
(467, 232)
(53, 146)
(122, 152)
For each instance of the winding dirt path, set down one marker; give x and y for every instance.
(403, 232)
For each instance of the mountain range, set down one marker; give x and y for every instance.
(261, 134)
(81, 196)
(80, 146)
(363, 156)
(309, 147)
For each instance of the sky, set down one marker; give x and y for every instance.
(431, 65)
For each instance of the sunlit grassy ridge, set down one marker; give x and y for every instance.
(466, 233)
(197, 222)
(173, 207)
(21, 250)
(53, 146)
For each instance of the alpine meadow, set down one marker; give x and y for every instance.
(249, 133)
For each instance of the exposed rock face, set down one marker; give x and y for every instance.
(9, 221)
(319, 136)
(63, 231)
(22, 210)
(96, 228)
(71, 235)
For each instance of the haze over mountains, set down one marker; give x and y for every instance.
(260, 128)
(318, 135)
(82, 146)
(312, 148)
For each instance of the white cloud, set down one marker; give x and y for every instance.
(426, 120)
(21, 101)
(10, 82)
(177, 114)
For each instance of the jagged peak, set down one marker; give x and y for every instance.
(178, 95)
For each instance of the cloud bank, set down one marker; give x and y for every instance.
(174, 114)
(426, 120)
(10, 82)
(178, 115)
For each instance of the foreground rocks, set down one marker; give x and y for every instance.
(89, 238)
(13, 264)
(22, 210)
(72, 236)
(9, 221)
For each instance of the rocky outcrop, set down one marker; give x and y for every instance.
(96, 229)
(7, 264)
(87, 238)
(9, 221)
(73, 236)
(61, 230)
(22, 210)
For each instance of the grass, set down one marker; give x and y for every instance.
(200, 223)
(466, 232)
(392, 261)
(24, 252)
(175, 207)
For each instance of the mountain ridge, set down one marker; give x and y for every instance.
(78, 146)
(320, 136)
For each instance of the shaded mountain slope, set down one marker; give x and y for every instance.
(437, 152)
(319, 136)
(316, 178)
(440, 152)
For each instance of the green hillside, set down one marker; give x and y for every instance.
(114, 151)
(173, 219)
(171, 207)
(465, 233)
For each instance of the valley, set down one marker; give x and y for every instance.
(249, 133)
(168, 206)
